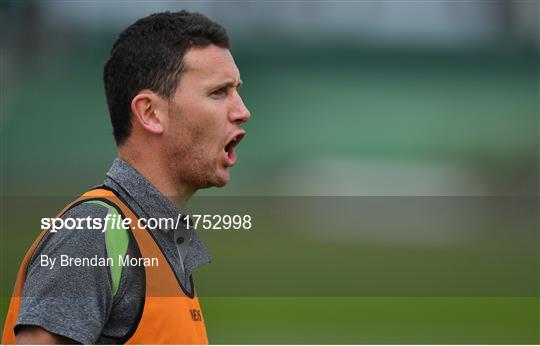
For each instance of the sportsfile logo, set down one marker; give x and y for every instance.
(111, 221)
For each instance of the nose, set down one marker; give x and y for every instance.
(239, 113)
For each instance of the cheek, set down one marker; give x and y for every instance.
(208, 133)
(193, 146)
(199, 127)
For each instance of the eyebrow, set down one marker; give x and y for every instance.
(228, 83)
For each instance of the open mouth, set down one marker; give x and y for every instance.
(229, 148)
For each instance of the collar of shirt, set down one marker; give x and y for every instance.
(153, 204)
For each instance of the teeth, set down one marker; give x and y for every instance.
(232, 143)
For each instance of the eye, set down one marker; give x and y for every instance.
(221, 92)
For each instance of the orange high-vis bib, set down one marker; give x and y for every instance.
(169, 316)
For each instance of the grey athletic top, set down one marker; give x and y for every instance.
(77, 301)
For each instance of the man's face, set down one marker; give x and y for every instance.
(204, 120)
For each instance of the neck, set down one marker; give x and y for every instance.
(159, 176)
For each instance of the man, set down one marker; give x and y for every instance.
(172, 91)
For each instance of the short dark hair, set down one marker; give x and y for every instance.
(149, 54)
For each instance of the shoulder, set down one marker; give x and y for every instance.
(86, 209)
(67, 290)
(78, 231)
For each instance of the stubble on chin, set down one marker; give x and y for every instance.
(190, 167)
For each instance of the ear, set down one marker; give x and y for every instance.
(147, 109)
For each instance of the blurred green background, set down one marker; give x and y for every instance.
(363, 98)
